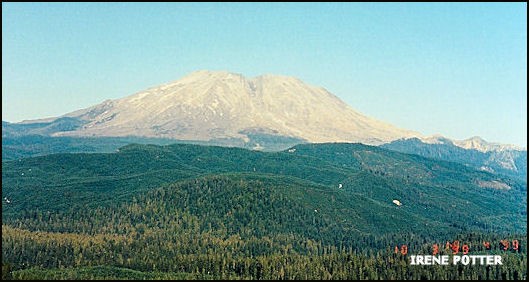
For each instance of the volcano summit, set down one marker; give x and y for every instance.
(206, 105)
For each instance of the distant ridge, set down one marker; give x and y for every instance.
(474, 152)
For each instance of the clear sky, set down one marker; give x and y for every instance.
(459, 70)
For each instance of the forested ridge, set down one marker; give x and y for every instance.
(318, 211)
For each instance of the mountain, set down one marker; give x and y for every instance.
(474, 152)
(473, 143)
(209, 105)
(267, 112)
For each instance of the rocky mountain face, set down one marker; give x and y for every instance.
(474, 152)
(477, 143)
(473, 143)
(208, 105)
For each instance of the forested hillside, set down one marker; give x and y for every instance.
(318, 211)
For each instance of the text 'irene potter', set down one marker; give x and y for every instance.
(464, 260)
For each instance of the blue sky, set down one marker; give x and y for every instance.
(454, 69)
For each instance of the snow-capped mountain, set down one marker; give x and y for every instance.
(207, 105)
